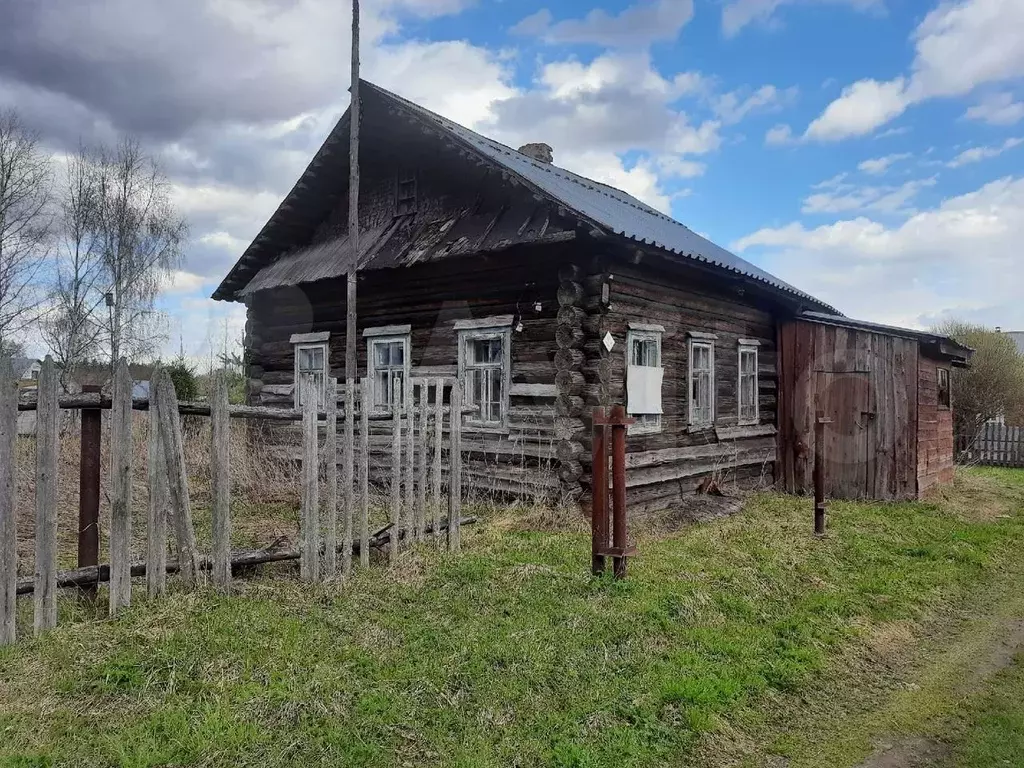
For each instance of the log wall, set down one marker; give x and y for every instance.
(430, 298)
(667, 467)
(935, 430)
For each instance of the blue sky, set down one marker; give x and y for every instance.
(867, 151)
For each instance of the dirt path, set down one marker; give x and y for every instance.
(915, 751)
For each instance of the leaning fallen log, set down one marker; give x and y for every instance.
(276, 553)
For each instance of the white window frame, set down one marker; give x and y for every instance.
(387, 335)
(306, 341)
(474, 330)
(646, 423)
(701, 341)
(746, 347)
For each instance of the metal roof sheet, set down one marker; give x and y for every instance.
(606, 206)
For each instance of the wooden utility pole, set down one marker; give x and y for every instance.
(351, 371)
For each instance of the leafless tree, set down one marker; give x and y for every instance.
(994, 383)
(71, 328)
(25, 219)
(140, 239)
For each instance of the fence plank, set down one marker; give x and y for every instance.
(220, 453)
(46, 500)
(156, 512)
(435, 505)
(177, 478)
(364, 475)
(309, 518)
(410, 462)
(421, 496)
(330, 512)
(121, 451)
(455, 481)
(347, 477)
(8, 505)
(396, 466)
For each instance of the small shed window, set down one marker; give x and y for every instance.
(702, 381)
(388, 362)
(484, 363)
(945, 396)
(747, 394)
(644, 377)
(311, 365)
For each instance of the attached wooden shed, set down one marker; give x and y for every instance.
(886, 394)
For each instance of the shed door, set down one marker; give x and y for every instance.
(847, 399)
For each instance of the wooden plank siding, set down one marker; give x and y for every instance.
(867, 384)
(666, 467)
(430, 298)
(935, 430)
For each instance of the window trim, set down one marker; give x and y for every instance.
(701, 340)
(948, 406)
(503, 332)
(371, 364)
(297, 347)
(644, 331)
(748, 346)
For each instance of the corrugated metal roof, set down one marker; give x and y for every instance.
(606, 206)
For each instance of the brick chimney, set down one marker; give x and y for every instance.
(542, 153)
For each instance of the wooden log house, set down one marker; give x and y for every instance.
(544, 292)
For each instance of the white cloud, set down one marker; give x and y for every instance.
(861, 108)
(736, 14)
(677, 167)
(879, 165)
(641, 181)
(837, 196)
(638, 25)
(977, 154)
(180, 281)
(958, 47)
(960, 258)
(779, 135)
(997, 109)
(733, 106)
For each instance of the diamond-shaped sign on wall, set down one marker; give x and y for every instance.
(609, 341)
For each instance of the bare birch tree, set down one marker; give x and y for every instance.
(25, 219)
(72, 328)
(140, 237)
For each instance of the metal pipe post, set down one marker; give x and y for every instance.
(819, 473)
(619, 422)
(89, 489)
(599, 507)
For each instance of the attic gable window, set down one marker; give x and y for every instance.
(644, 377)
(405, 194)
(747, 390)
(702, 379)
(311, 365)
(387, 355)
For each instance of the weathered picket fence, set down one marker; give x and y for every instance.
(417, 508)
(995, 445)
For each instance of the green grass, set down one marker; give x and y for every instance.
(510, 653)
(993, 733)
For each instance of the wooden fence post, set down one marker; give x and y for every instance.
(220, 435)
(396, 467)
(348, 479)
(330, 515)
(455, 481)
(47, 413)
(364, 474)
(8, 506)
(121, 451)
(435, 505)
(421, 485)
(159, 500)
(177, 477)
(309, 538)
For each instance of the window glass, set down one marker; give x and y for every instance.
(702, 378)
(748, 386)
(387, 370)
(644, 349)
(484, 375)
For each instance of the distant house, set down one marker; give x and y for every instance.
(27, 370)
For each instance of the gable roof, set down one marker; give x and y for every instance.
(602, 206)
